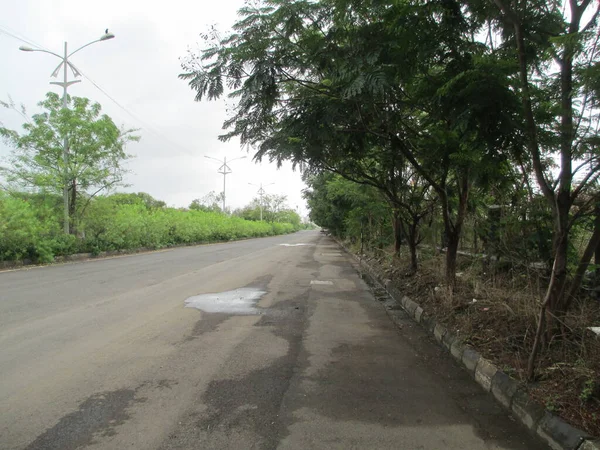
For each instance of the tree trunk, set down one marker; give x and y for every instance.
(453, 229)
(451, 258)
(72, 206)
(553, 289)
(397, 226)
(555, 300)
(597, 252)
(560, 271)
(412, 245)
(590, 249)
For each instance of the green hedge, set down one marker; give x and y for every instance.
(28, 230)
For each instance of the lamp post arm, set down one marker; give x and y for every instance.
(83, 46)
(44, 51)
(210, 157)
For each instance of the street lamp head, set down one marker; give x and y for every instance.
(24, 48)
(107, 36)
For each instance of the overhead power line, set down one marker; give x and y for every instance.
(19, 37)
(147, 126)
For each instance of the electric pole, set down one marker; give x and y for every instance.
(260, 193)
(224, 170)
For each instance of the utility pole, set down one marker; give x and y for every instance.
(261, 192)
(65, 84)
(224, 170)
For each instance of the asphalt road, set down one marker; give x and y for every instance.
(105, 354)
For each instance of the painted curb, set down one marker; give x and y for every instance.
(470, 358)
(558, 434)
(410, 307)
(448, 339)
(418, 314)
(438, 332)
(504, 388)
(457, 349)
(484, 373)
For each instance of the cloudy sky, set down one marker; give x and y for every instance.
(137, 85)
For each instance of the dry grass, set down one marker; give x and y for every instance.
(495, 311)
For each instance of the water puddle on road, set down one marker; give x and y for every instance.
(240, 301)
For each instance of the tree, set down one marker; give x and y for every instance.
(273, 205)
(349, 87)
(96, 151)
(556, 52)
(138, 198)
(209, 203)
(272, 208)
(348, 209)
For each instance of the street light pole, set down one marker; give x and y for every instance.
(261, 192)
(224, 170)
(65, 84)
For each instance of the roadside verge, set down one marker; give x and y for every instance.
(510, 393)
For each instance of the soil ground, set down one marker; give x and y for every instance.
(494, 310)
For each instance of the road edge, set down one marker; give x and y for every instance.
(7, 266)
(557, 433)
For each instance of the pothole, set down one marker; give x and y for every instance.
(239, 301)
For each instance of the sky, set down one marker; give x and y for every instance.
(136, 82)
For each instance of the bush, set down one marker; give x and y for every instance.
(26, 232)
(32, 230)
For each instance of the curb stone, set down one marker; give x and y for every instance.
(525, 409)
(559, 434)
(410, 307)
(484, 373)
(418, 314)
(590, 445)
(554, 431)
(427, 322)
(470, 358)
(457, 349)
(504, 388)
(448, 339)
(439, 331)
(403, 301)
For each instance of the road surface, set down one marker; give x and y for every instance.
(107, 354)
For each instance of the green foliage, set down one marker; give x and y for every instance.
(274, 209)
(211, 202)
(350, 87)
(26, 232)
(111, 226)
(30, 228)
(349, 210)
(96, 150)
(588, 390)
(139, 198)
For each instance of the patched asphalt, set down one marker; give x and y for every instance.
(320, 366)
